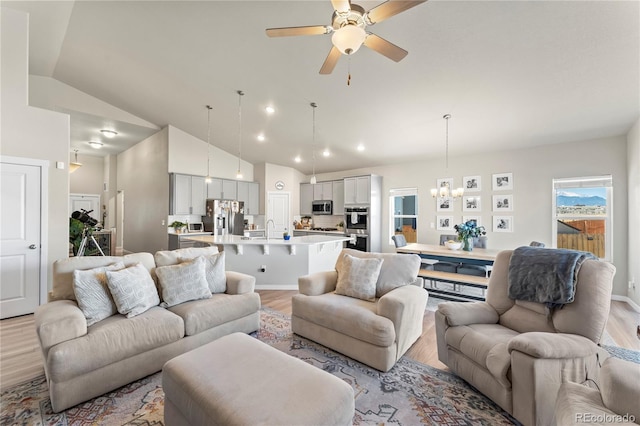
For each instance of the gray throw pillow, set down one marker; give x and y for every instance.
(183, 282)
(133, 290)
(357, 277)
(214, 271)
(92, 292)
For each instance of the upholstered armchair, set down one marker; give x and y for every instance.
(516, 352)
(368, 316)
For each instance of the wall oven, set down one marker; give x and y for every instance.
(360, 242)
(319, 207)
(356, 220)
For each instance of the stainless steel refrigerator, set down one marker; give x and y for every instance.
(224, 217)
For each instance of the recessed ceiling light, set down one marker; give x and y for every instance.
(261, 137)
(270, 109)
(360, 147)
(96, 144)
(326, 153)
(109, 133)
(297, 159)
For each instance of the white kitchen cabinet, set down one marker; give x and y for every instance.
(187, 194)
(338, 197)
(249, 193)
(357, 190)
(323, 191)
(222, 189)
(306, 198)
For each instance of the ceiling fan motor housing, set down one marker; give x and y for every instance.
(354, 16)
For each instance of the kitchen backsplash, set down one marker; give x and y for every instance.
(327, 221)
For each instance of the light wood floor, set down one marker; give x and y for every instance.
(21, 359)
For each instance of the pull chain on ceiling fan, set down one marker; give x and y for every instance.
(348, 26)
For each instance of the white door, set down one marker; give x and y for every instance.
(20, 238)
(120, 222)
(278, 211)
(88, 202)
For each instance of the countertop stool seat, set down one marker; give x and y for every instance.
(238, 380)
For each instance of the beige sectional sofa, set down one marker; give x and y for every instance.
(82, 362)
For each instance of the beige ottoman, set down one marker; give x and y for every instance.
(238, 380)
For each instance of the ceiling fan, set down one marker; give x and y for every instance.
(348, 26)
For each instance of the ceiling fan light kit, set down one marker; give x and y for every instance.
(348, 25)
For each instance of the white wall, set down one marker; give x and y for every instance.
(142, 175)
(188, 155)
(533, 170)
(25, 129)
(89, 178)
(633, 179)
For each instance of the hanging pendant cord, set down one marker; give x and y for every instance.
(208, 140)
(240, 94)
(447, 117)
(313, 139)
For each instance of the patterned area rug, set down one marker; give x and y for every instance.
(410, 393)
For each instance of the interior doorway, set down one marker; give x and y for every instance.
(278, 211)
(120, 223)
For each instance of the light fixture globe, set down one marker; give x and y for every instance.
(348, 39)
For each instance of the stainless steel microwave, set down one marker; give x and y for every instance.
(319, 207)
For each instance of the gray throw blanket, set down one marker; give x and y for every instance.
(545, 275)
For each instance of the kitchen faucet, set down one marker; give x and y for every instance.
(267, 227)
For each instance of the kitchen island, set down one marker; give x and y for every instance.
(277, 263)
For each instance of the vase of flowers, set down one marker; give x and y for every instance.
(467, 231)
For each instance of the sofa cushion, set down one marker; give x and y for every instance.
(619, 381)
(183, 282)
(357, 277)
(172, 257)
(63, 270)
(347, 315)
(111, 340)
(92, 292)
(396, 270)
(214, 271)
(486, 345)
(133, 290)
(201, 315)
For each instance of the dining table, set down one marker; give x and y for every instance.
(477, 256)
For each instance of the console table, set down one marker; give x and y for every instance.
(478, 256)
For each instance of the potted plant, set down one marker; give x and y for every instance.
(177, 226)
(467, 231)
(340, 225)
(286, 235)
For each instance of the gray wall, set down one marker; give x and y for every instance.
(533, 170)
(633, 179)
(142, 174)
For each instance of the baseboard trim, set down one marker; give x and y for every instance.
(276, 287)
(626, 299)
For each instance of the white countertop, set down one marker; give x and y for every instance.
(238, 240)
(186, 234)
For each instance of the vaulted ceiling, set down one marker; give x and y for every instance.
(511, 74)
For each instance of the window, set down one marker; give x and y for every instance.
(582, 214)
(403, 214)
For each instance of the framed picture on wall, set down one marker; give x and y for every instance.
(476, 219)
(472, 183)
(502, 223)
(502, 181)
(444, 223)
(445, 183)
(502, 203)
(445, 204)
(471, 203)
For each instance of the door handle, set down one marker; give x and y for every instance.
(33, 246)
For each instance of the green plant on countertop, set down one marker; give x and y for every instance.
(285, 233)
(177, 225)
(340, 224)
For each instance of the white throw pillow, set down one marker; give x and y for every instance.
(357, 277)
(183, 282)
(133, 290)
(214, 271)
(92, 292)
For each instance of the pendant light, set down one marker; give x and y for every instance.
(74, 165)
(313, 179)
(446, 191)
(240, 95)
(208, 178)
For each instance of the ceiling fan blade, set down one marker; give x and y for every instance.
(298, 31)
(331, 61)
(385, 47)
(341, 5)
(389, 8)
